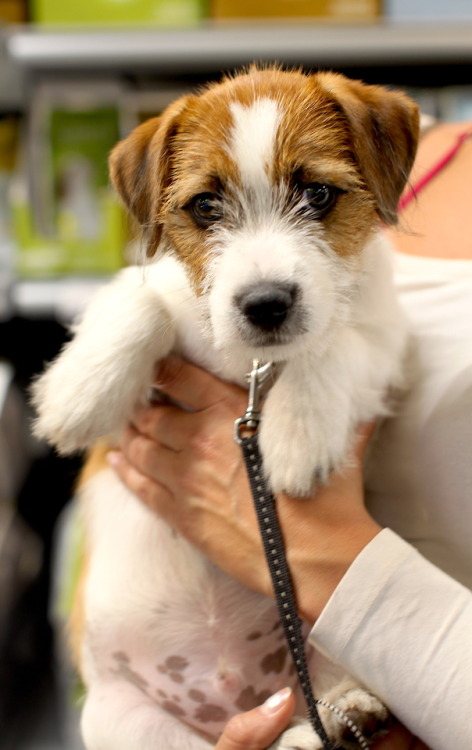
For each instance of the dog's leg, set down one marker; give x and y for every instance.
(306, 427)
(367, 713)
(299, 736)
(117, 716)
(315, 405)
(364, 709)
(91, 388)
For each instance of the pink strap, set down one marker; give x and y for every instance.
(415, 189)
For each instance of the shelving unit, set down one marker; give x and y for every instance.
(377, 51)
(12, 78)
(213, 47)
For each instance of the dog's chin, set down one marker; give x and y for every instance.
(274, 346)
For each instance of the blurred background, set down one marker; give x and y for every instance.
(76, 76)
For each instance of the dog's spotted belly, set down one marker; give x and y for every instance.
(205, 688)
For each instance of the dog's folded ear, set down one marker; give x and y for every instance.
(384, 126)
(140, 169)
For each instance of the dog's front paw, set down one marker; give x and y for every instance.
(287, 469)
(300, 736)
(73, 410)
(91, 388)
(366, 712)
(296, 455)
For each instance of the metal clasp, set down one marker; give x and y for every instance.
(247, 425)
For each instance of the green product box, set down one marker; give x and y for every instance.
(104, 12)
(67, 219)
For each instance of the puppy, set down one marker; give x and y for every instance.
(262, 199)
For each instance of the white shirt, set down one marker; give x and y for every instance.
(396, 621)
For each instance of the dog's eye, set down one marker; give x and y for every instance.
(320, 198)
(206, 209)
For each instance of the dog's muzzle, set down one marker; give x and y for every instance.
(268, 305)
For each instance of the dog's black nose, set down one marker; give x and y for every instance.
(268, 305)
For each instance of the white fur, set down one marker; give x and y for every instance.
(253, 139)
(148, 592)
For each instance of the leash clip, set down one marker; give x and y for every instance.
(248, 425)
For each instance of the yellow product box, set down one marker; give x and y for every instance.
(9, 134)
(66, 217)
(341, 10)
(111, 12)
(13, 11)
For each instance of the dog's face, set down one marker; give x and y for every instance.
(267, 186)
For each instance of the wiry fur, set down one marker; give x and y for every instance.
(251, 141)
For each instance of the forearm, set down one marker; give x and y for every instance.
(402, 627)
(323, 538)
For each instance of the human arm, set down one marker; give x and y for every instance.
(403, 627)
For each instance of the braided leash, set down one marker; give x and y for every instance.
(245, 433)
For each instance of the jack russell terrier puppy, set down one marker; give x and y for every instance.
(262, 200)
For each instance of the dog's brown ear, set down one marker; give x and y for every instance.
(385, 128)
(140, 169)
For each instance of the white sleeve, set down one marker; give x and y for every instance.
(404, 628)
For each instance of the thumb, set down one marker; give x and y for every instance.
(189, 385)
(257, 729)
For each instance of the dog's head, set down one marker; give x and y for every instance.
(267, 186)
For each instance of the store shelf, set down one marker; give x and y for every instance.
(60, 299)
(203, 50)
(12, 84)
(216, 47)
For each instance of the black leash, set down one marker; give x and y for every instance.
(245, 433)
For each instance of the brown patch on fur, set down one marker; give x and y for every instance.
(176, 663)
(95, 463)
(208, 712)
(384, 127)
(140, 169)
(76, 624)
(197, 696)
(274, 662)
(254, 636)
(174, 709)
(248, 698)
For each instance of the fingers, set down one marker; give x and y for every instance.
(192, 386)
(168, 425)
(259, 728)
(151, 457)
(153, 494)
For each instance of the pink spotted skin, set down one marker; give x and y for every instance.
(230, 656)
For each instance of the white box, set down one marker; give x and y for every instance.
(431, 10)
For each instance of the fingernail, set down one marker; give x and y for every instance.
(276, 701)
(113, 458)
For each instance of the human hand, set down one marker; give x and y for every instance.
(259, 728)
(185, 466)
